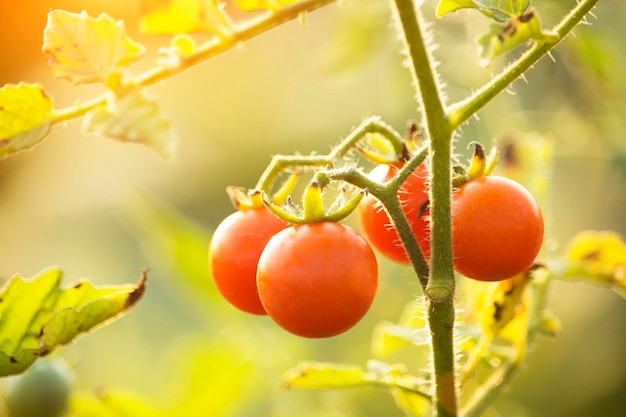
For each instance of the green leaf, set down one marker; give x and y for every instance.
(172, 17)
(322, 375)
(499, 10)
(82, 49)
(504, 37)
(25, 117)
(132, 117)
(252, 5)
(598, 257)
(37, 315)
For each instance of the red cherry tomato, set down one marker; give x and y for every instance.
(497, 229)
(317, 280)
(234, 253)
(376, 225)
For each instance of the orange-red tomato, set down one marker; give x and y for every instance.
(317, 280)
(234, 252)
(376, 225)
(497, 229)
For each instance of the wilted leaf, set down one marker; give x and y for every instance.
(598, 257)
(498, 310)
(499, 10)
(171, 17)
(82, 49)
(250, 5)
(37, 315)
(25, 117)
(504, 37)
(131, 117)
(318, 375)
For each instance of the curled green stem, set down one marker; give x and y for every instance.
(370, 125)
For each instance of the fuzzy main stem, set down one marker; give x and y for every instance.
(440, 288)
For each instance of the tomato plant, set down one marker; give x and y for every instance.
(234, 252)
(497, 229)
(317, 280)
(376, 224)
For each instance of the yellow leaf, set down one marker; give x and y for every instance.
(172, 17)
(82, 49)
(251, 5)
(598, 257)
(37, 315)
(131, 117)
(449, 6)
(322, 375)
(25, 117)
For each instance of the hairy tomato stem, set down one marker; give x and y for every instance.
(440, 287)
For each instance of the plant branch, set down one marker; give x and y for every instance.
(463, 110)
(370, 125)
(217, 45)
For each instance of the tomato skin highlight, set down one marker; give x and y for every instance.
(317, 280)
(497, 229)
(376, 225)
(234, 253)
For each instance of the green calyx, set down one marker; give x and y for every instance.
(481, 165)
(313, 208)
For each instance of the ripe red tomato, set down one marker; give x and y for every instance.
(234, 252)
(497, 229)
(317, 280)
(376, 225)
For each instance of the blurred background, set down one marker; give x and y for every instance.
(102, 209)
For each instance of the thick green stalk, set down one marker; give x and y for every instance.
(440, 288)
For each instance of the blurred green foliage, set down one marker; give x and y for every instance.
(104, 209)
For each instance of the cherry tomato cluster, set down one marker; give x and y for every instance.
(314, 279)
(497, 226)
(317, 278)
